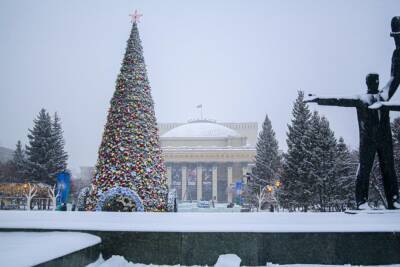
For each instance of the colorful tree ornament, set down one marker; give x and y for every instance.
(130, 163)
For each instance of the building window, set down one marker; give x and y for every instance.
(222, 182)
(207, 182)
(191, 182)
(176, 179)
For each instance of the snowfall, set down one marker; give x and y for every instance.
(15, 243)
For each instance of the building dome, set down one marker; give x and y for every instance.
(201, 129)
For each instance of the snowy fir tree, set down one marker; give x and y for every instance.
(267, 164)
(307, 183)
(345, 174)
(40, 150)
(296, 159)
(60, 157)
(267, 158)
(19, 161)
(130, 172)
(396, 146)
(321, 182)
(318, 172)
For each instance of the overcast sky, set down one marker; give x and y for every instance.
(240, 59)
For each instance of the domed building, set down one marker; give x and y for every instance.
(206, 160)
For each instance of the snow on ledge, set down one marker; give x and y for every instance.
(32, 248)
(378, 105)
(202, 222)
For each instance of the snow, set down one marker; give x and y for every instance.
(311, 97)
(386, 104)
(200, 129)
(385, 221)
(119, 261)
(31, 248)
(366, 98)
(229, 260)
(218, 207)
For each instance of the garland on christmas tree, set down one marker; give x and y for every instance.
(130, 154)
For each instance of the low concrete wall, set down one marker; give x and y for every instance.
(81, 257)
(253, 248)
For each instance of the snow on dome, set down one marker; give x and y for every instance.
(201, 129)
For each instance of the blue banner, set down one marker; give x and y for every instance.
(63, 187)
(239, 188)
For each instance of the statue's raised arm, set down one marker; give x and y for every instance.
(390, 88)
(351, 101)
(372, 81)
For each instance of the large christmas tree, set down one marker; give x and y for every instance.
(130, 172)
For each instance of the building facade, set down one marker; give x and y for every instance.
(206, 160)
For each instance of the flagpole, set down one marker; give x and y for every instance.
(201, 110)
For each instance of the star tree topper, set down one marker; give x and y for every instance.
(135, 17)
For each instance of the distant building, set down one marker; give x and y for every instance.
(87, 172)
(206, 160)
(6, 154)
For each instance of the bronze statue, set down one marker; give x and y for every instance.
(374, 127)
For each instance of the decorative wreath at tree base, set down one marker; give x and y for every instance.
(119, 199)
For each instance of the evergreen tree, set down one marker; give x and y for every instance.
(323, 151)
(345, 172)
(296, 167)
(310, 193)
(396, 146)
(19, 161)
(267, 164)
(40, 150)
(267, 158)
(130, 157)
(60, 156)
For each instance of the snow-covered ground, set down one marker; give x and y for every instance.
(385, 221)
(31, 248)
(218, 207)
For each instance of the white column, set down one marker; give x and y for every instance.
(244, 171)
(230, 182)
(215, 183)
(199, 183)
(184, 183)
(169, 177)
